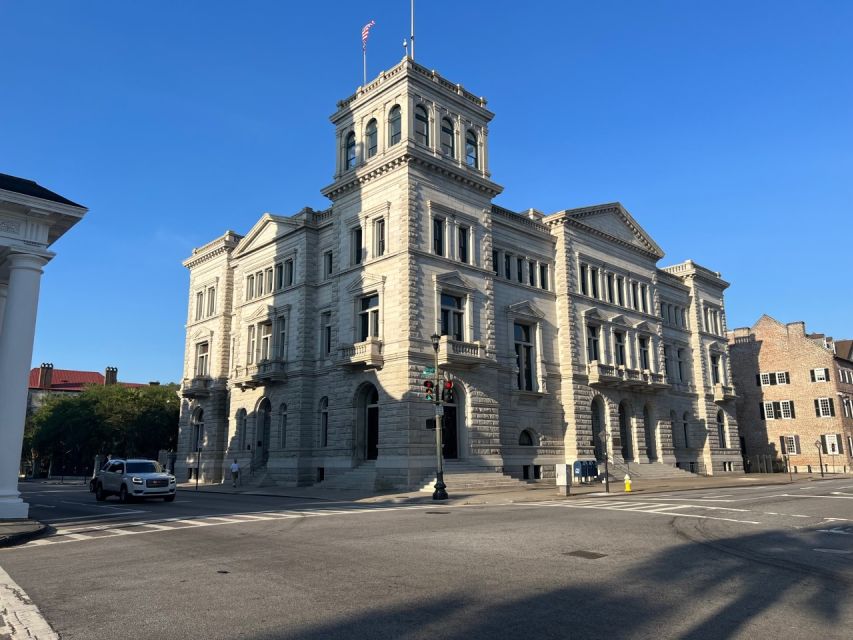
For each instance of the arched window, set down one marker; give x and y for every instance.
(448, 140)
(421, 126)
(241, 429)
(198, 429)
(371, 138)
(394, 126)
(525, 439)
(371, 422)
(472, 155)
(685, 421)
(324, 421)
(721, 429)
(282, 425)
(350, 150)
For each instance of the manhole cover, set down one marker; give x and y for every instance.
(588, 555)
(438, 513)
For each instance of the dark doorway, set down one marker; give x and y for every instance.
(372, 423)
(625, 432)
(649, 428)
(449, 435)
(264, 418)
(598, 436)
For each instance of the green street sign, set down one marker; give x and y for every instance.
(429, 371)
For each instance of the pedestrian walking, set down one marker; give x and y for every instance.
(235, 473)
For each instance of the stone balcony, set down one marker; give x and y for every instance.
(198, 387)
(608, 375)
(367, 354)
(723, 393)
(455, 353)
(263, 373)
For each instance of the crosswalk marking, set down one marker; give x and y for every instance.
(652, 508)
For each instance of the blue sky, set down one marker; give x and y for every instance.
(726, 128)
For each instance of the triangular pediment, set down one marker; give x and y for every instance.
(593, 314)
(200, 334)
(364, 281)
(454, 280)
(526, 308)
(265, 231)
(644, 326)
(261, 311)
(620, 320)
(614, 221)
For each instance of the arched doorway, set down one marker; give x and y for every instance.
(599, 437)
(721, 429)
(371, 419)
(625, 432)
(197, 421)
(452, 423)
(649, 429)
(263, 417)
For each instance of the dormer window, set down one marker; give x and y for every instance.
(421, 126)
(371, 138)
(472, 158)
(448, 142)
(350, 151)
(394, 126)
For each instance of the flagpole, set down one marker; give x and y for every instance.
(364, 61)
(412, 38)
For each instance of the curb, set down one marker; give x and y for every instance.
(15, 539)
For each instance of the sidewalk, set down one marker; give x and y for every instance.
(14, 532)
(530, 493)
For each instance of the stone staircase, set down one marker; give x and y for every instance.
(645, 471)
(465, 476)
(362, 478)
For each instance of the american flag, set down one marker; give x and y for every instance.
(365, 31)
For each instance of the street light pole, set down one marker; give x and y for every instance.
(440, 492)
(819, 456)
(605, 438)
(197, 466)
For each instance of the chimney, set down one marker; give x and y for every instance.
(110, 376)
(46, 375)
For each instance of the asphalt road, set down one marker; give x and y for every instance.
(749, 562)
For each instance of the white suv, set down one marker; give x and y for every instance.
(130, 479)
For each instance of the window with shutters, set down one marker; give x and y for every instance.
(791, 445)
(765, 379)
(831, 444)
(782, 377)
(767, 411)
(820, 375)
(824, 407)
(787, 409)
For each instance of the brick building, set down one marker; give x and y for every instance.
(308, 337)
(46, 381)
(795, 395)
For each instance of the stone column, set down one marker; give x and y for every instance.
(16, 352)
(4, 289)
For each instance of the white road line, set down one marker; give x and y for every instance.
(605, 506)
(844, 497)
(19, 615)
(837, 531)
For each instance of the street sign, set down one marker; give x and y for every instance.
(428, 371)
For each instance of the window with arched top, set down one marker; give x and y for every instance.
(421, 126)
(721, 429)
(448, 140)
(324, 421)
(525, 438)
(198, 429)
(472, 154)
(371, 139)
(241, 429)
(395, 121)
(282, 425)
(350, 151)
(685, 422)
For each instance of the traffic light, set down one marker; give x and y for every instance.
(429, 390)
(447, 394)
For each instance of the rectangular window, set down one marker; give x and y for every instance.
(327, 264)
(715, 369)
(592, 342)
(463, 236)
(368, 323)
(452, 317)
(765, 379)
(202, 352)
(609, 285)
(667, 355)
(635, 302)
(326, 329)
(593, 278)
(543, 276)
(211, 301)
(266, 351)
(824, 408)
(790, 445)
(250, 287)
(619, 342)
(495, 265)
(584, 277)
(531, 273)
(768, 411)
(680, 356)
(288, 272)
(782, 377)
(620, 291)
(282, 338)
(199, 305)
(438, 236)
(250, 346)
(644, 353)
(507, 266)
(259, 284)
(644, 303)
(380, 237)
(820, 375)
(519, 266)
(524, 356)
(268, 280)
(831, 443)
(279, 276)
(356, 241)
(787, 409)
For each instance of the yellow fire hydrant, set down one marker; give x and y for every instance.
(627, 483)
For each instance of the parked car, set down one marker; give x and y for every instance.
(134, 478)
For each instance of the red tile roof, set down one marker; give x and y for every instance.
(69, 380)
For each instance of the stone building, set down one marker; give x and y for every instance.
(32, 218)
(308, 337)
(795, 396)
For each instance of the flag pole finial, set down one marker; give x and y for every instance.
(412, 35)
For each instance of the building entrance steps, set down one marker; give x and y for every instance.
(462, 475)
(361, 478)
(645, 471)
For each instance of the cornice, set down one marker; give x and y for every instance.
(566, 219)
